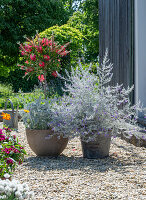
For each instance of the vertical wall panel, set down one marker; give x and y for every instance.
(116, 34)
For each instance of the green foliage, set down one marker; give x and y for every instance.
(66, 33)
(21, 98)
(17, 81)
(24, 17)
(86, 21)
(5, 90)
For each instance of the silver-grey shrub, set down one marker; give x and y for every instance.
(90, 106)
(39, 114)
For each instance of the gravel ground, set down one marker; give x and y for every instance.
(70, 177)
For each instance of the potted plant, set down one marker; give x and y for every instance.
(41, 138)
(92, 109)
(42, 57)
(11, 152)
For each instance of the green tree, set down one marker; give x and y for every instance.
(24, 17)
(86, 20)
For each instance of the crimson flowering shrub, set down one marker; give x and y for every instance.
(11, 152)
(41, 57)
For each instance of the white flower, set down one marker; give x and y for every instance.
(3, 197)
(19, 187)
(2, 189)
(6, 175)
(20, 197)
(17, 194)
(7, 189)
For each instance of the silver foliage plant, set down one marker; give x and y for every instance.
(90, 106)
(39, 114)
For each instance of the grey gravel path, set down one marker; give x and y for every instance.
(70, 177)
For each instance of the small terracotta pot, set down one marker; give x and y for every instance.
(43, 145)
(98, 148)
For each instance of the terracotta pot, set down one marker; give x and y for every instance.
(43, 145)
(97, 149)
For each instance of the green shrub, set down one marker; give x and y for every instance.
(17, 81)
(5, 90)
(64, 34)
(20, 98)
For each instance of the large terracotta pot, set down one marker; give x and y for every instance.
(98, 148)
(43, 145)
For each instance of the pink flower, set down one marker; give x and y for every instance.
(74, 149)
(33, 57)
(41, 78)
(26, 62)
(42, 64)
(26, 73)
(54, 74)
(46, 57)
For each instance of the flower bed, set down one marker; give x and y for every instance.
(11, 152)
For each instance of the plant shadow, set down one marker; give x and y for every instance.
(64, 162)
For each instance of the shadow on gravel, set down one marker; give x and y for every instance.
(62, 162)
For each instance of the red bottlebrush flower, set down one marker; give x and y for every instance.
(23, 53)
(54, 74)
(45, 42)
(33, 57)
(29, 69)
(26, 73)
(28, 48)
(46, 57)
(22, 67)
(40, 49)
(41, 78)
(42, 64)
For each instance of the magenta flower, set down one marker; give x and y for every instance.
(9, 161)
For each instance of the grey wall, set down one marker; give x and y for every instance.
(140, 51)
(116, 33)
